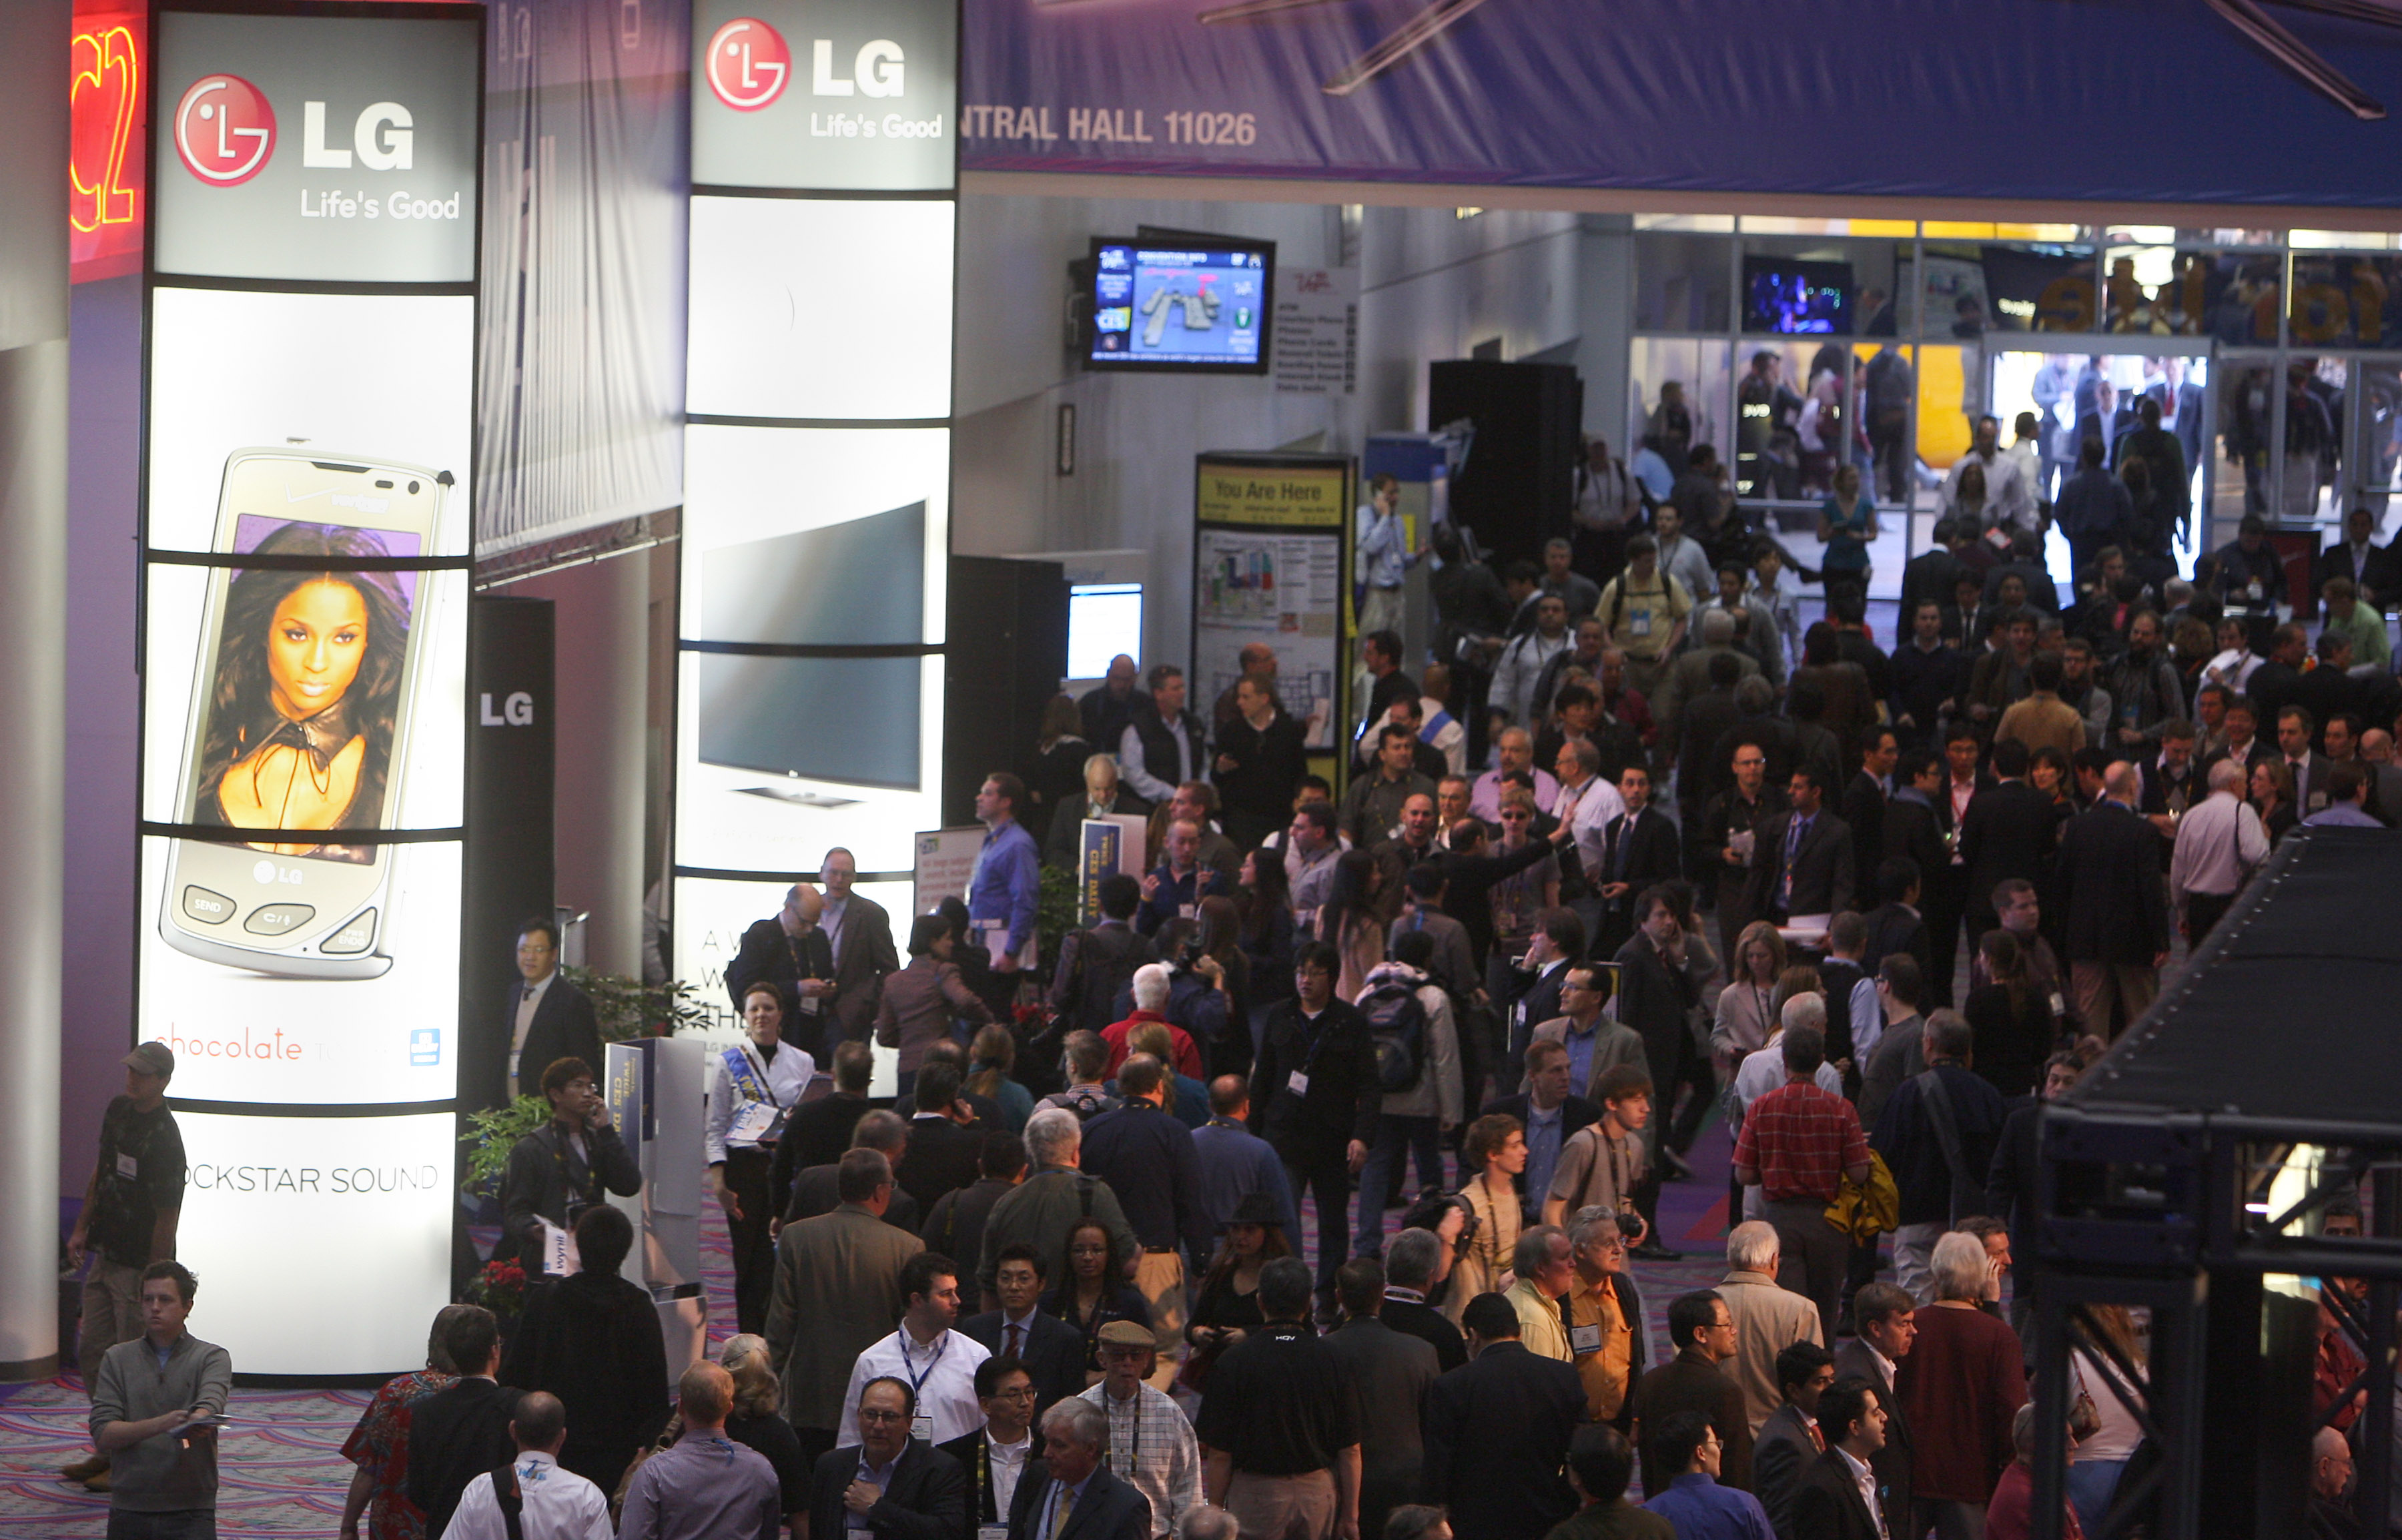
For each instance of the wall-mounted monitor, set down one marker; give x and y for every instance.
(1183, 305)
(1104, 620)
(1789, 297)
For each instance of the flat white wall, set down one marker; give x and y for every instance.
(1433, 286)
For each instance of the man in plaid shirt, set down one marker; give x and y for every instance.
(1798, 1144)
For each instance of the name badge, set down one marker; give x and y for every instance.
(1298, 1083)
(1642, 627)
(2059, 1005)
(127, 1168)
(992, 1531)
(1583, 1339)
(1186, 911)
(922, 1426)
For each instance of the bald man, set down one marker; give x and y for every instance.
(2107, 881)
(787, 948)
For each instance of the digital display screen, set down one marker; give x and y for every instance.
(1188, 307)
(1104, 620)
(1794, 298)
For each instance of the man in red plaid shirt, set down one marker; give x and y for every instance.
(1798, 1144)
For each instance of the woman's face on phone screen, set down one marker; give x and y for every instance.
(314, 645)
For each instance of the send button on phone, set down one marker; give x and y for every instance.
(276, 918)
(207, 907)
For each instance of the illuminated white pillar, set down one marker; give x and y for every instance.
(33, 673)
(817, 459)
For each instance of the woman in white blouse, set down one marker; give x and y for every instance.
(753, 1085)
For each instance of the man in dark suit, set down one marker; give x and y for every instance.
(2296, 729)
(1388, 1374)
(1897, 924)
(2356, 557)
(1410, 1261)
(1104, 797)
(1315, 1097)
(944, 1152)
(1788, 1444)
(901, 1488)
(2008, 833)
(1498, 1432)
(1099, 961)
(2107, 880)
(1070, 1478)
(818, 1132)
(955, 1225)
(788, 948)
(818, 1189)
(1929, 577)
(1829, 1503)
(549, 1019)
(1559, 940)
(1052, 1351)
(1866, 796)
(458, 1433)
(1802, 863)
(1702, 1330)
(1639, 848)
(1885, 1316)
(860, 933)
(995, 1457)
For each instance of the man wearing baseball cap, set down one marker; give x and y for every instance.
(127, 1221)
(1151, 1442)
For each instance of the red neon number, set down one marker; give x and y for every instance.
(104, 100)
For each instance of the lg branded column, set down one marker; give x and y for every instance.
(817, 461)
(306, 543)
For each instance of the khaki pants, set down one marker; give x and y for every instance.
(112, 1312)
(1159, 1278)
(1283, 1508)
(1380, 610)
(2095, 984)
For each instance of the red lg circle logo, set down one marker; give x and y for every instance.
(748, 64)
(225, 131)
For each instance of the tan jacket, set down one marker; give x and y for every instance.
(1767, 1321)
(837, 1291)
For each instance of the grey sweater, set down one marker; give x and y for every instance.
(159, 1475)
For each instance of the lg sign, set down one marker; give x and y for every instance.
(224, 133)
(750, 64)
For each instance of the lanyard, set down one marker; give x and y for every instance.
(1134, 1452)
(916, 1376)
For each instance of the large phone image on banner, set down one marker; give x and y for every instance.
(305, 686)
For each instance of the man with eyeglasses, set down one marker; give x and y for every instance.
(1605, 1316)
(1151, 1441)
(549, 1018)
(995, 1456)
(886, 1484)
(560, 1170)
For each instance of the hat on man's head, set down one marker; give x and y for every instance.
(1257, 1209)
(152, 1059)
(1126, 1334)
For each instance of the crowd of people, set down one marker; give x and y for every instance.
(1627, 854)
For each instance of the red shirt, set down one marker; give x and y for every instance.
(1188, 1058)
(1801, 1137)
(1960, 1385)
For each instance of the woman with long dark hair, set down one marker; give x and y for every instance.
(306, 693)
(1264, 897)
(1092, 1290)
(1348, 921)
(1218, 944)
(2009, 1016)
(1056, 774)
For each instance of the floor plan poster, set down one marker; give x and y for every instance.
(1271, 538)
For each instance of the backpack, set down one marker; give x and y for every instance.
(1398, 1025)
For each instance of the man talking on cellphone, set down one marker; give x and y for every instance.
(561, 1168)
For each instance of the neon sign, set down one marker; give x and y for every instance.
(106, 162)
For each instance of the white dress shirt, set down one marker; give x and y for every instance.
(785, 1077)
(942, 1375)
(1864, 1478)
(1008, 1461)
(829, 921)
(2208, 840)
(1588, 810)
(527, 1003)
(558, 1505)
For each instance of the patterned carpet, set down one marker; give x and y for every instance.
(279, 1464)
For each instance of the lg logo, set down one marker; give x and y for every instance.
(516, 711)
(224, 133)
(750, 64)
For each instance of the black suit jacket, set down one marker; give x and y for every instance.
(861, 963)
(455, 1436)
(1823, 874)
(1781, 1452)
(975, 1472)
(1497, 1443)
(1428, 1326)
(2107, 881)
(768, 953)
(2008, 833)
(1345, 1096)
(814, 1194)
(1053, 1353)
(1537, 1005)
(1389, 1373)
(1650, 854)
(817, 1134)
(1891, 1463)
(940, 1157)
(926, 1499)
(1110, 1510)
(1894, 929)
(564, 1027)
(1827, 1506)
(1863, 808)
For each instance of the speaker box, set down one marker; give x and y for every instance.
(1516, 488)
(1008, 650)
